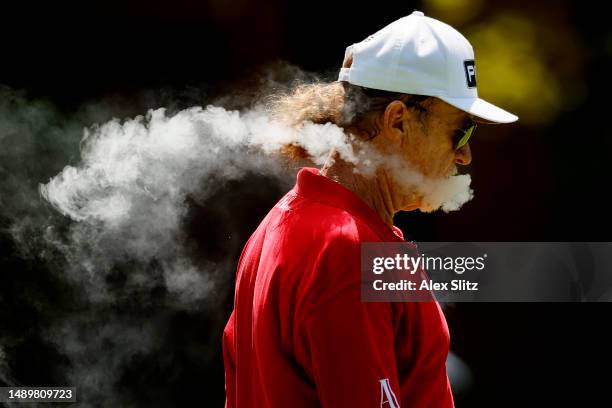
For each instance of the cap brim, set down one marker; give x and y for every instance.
(482, 109)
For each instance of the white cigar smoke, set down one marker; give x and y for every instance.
(129, 190)
(447, 194)
(128, 193)
(162, 158)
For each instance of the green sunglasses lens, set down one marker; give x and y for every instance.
(466, 136)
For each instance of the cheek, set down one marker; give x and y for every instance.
(445, 159)
(437, 159)
(416, 152)
(431, 153)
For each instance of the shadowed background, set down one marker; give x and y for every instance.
(545, 178)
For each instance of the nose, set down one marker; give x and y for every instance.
(463, 156)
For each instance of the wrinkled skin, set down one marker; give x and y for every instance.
(424, 139)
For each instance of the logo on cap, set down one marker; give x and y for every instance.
(470, 73)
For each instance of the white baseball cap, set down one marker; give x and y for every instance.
(421, 56)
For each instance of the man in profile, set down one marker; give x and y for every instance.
(299, 335)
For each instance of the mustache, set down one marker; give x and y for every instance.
(453, 172)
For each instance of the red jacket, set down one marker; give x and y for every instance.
(300, 336)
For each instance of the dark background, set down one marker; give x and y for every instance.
(537, 180)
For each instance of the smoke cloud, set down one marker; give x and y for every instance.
(446, 194)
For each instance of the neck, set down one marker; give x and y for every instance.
(377, 191)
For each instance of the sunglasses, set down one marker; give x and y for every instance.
(463, 135)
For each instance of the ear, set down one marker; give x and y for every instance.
(394, 120)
